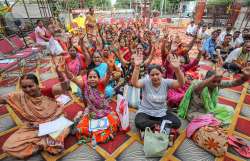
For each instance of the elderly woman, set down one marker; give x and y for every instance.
(201, 97)
(153, 107)
(35, 106)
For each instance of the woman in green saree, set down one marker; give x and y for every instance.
(202, 96)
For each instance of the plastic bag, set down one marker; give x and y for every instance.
(123, 112)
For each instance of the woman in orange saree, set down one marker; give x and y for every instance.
(34, 106)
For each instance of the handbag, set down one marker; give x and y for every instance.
(155, 144)
(212, 139)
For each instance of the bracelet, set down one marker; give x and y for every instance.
(72, 78)
(61, 79)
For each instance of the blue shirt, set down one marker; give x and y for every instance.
(102, 69)
(209, 46)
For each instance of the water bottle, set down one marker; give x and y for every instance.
(93, 142)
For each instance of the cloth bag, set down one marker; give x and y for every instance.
(123, 112)
(132, 95)
(212, 139)
(155, 144)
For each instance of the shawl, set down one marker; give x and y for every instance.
(35, 109)
(209, 100)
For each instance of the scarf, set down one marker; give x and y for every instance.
(35, 109)
(221, 112)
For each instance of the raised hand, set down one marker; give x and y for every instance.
(138, 59)
(219, 72)
(174, 61)
(166, 33)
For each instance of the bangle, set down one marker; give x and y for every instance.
(72, 78)
(61, 79)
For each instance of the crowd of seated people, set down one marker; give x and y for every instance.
(105, 58)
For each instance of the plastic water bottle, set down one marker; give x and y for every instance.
(93, 142)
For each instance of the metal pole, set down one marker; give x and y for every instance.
(38, 3)
(27, 13)
(161, 6)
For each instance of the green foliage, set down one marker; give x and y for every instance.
(156, 4)
(103, 3)
(122, 4)
(73, 4)
(89, 3)
(247, 2)
(219, 2)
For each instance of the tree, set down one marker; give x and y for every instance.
(103, 3)
(219, 2)
(89, 3)
(122, 4)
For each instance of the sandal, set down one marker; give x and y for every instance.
(239, 146)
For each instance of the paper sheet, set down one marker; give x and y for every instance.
(54, 126)
(63, 99)
(7, 61)
(98, 124)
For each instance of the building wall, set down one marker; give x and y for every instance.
(33, 10)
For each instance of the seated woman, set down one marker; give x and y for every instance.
(201, 97)
(35, 106)
(175, 95)
(126, 54)
(128, 66)
(97, 107)
(153, 107)
(181, 49)
(102, 68)
(55, 23)
(42, 35)
(133, 94)
(76, 61)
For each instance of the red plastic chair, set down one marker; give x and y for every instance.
(19, 43)
(6, 47)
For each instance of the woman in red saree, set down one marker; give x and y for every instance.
(34, 106)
